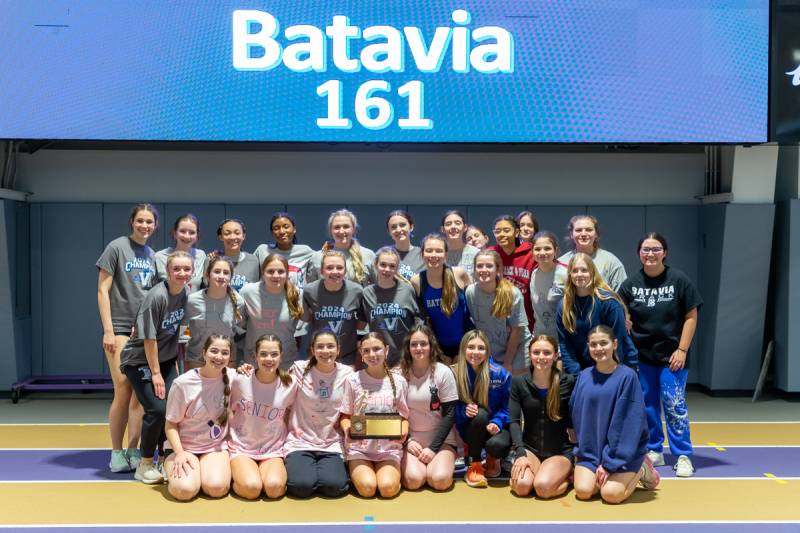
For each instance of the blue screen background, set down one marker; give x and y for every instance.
(584, 71)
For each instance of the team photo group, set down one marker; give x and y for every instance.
(508, 351)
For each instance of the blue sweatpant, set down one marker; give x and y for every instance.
(661, 385)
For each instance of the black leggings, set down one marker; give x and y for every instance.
(309, 472)
(155, 409)
(477, 438)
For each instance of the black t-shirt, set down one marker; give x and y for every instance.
(658, 308)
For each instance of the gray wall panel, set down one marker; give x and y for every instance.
(621, 227)
(712, 224)
(786, 225)
(70, 323)
(37, 298)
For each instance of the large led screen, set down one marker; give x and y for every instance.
(511, 71)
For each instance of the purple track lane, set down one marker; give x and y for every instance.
(92, 465)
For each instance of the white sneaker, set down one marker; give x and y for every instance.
(657, 458)
(148, 474)
(119, 462)
(684, 467)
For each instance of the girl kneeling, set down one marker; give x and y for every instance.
(258, 427)
(197, 425)
(374, 463)
(432, 399)
(540, 398)
(607, 409)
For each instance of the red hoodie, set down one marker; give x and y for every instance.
(517, 268)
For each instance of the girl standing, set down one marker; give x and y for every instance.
(314, 445)
(547, 284)
(390, 305)
(584, 233)
(126, 271)
(197, 425)
(215, 310)
(528, 226)
(540, 398)
(459, 253)
(663, 303)
(185, 233)
(273, 307)
(432, 398)
(374, 463)
(517, 259)
(482, 410)
(334, 303)
(589, 302)
(496, 307)
(608, 415)
(342, 226)
(440, 292)
(401, 226)
(258, 426)
(284, 231)
(149, 359)
(232, 233)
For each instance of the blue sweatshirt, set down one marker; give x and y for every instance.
(609, 420)
(499, 391)
(574, 347)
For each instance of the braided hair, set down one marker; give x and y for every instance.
(226, 380)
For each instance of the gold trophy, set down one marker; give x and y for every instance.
(367, 425)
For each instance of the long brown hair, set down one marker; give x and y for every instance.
(436, 354)
(599, 291)
(554, 387)
(504, 291)
(213, 259)
(292, 293)
(480, 392)
(223, 418)
(449, 298)
(283, 375)
(374, 335)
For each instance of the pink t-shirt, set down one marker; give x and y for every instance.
(258, 424)
(421, 420)
(313, 422)
(378, 395)
(195, 404)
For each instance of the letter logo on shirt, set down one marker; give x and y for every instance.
(336, 326)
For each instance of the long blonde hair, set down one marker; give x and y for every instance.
(292, 293)
(449, 298)
(480, 391)
(356, 258)
(599, 291)
(504, 291)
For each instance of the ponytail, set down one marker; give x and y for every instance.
(449, 292)
(357, 260)
(237, 315)
(226, 380)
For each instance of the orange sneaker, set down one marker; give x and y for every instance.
(492, 466)
(474, 476)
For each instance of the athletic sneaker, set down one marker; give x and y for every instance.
(148, 474)
(684, 467)
(119, 462)
(134, 457)
(492, 466)
(474, 476)
(160, 467)
(650, 476)
(460, 463)
(657, 458)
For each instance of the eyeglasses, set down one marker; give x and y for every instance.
(654, 250)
